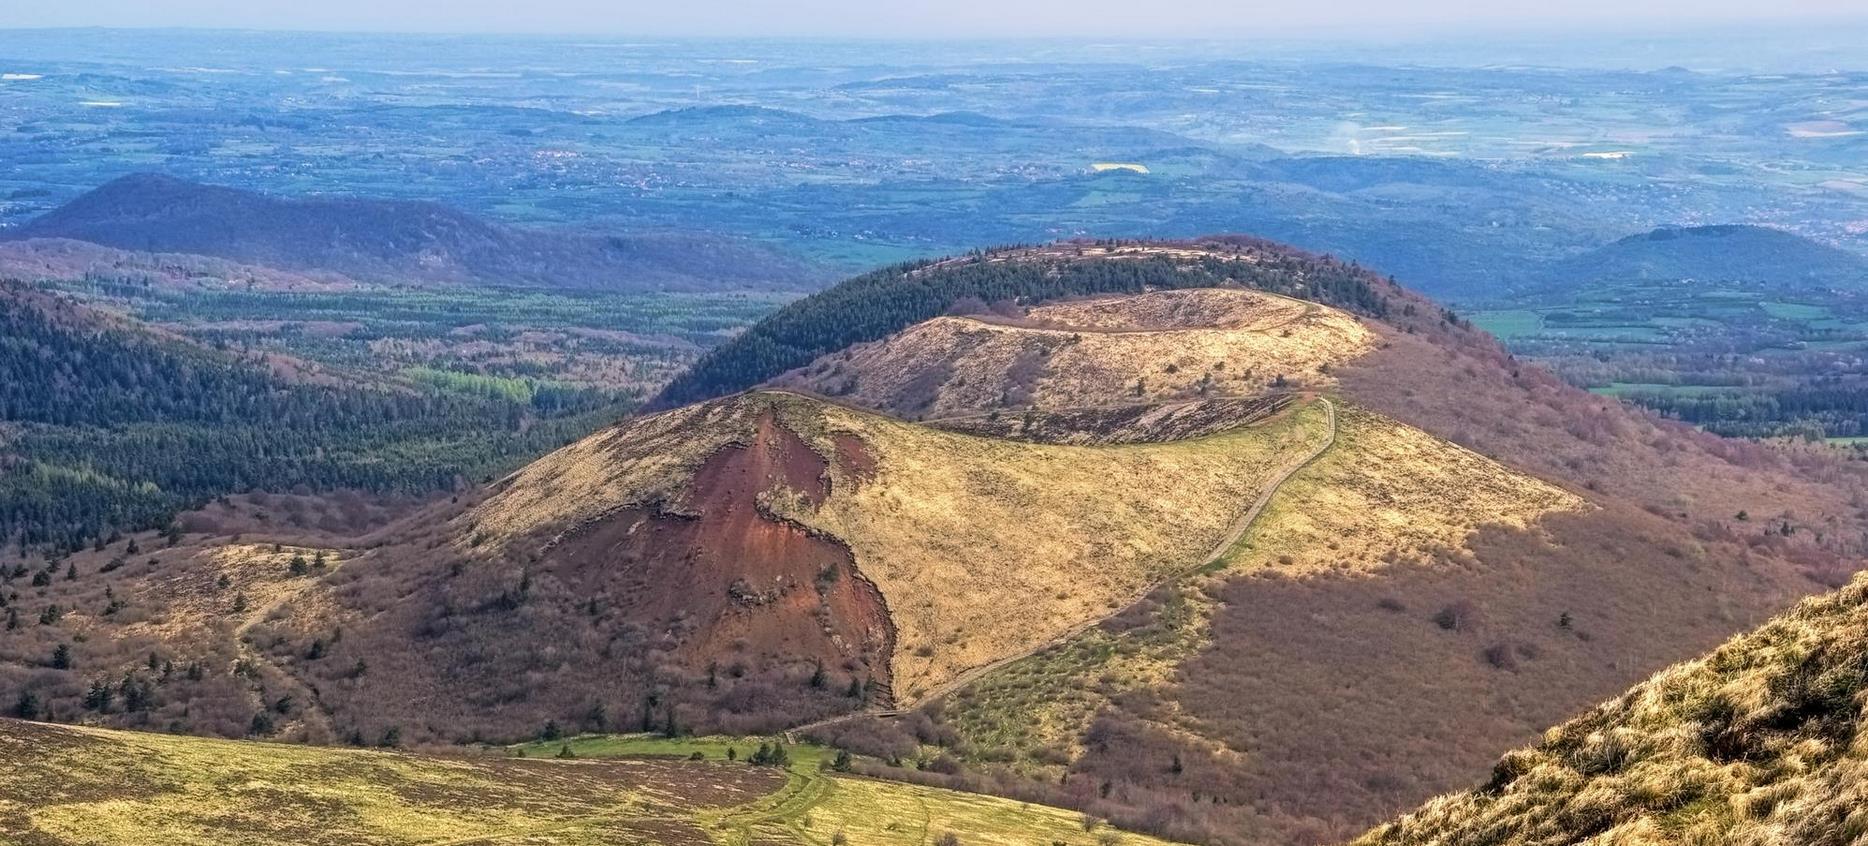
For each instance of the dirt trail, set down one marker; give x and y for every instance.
(1038, 328)
(1239, 529)
(312, 710)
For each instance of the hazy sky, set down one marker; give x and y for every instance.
(926, 18)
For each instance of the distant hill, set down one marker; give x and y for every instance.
(1756, 743)
(405, 241)
(1754, 254)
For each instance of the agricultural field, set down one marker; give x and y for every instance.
(1733, 358)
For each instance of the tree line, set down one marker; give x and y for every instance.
(111, 427)
(877, 304)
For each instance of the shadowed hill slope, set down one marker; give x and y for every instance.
(1759, 742)
(403, 241)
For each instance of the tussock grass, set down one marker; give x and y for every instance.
(1760, 742)
(886, 813)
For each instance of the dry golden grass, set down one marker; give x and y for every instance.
(1385, 491)
(1389, 491)
(68, 785)
(641, 461)
(1760, 742)
(882, 813)
(984, 548)
(194, 598)
(1153, 347)
(981, 547)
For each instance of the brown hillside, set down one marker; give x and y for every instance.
(745, 564)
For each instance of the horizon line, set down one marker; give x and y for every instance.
(1314, 33)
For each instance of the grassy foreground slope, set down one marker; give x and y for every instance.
(1759, 742)
(65, 785)
(72, 785)
(819, 805)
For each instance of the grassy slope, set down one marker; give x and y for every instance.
(816, 805)
(1759, 742)
(66, 785)
(69, 785)
(1385, 491)
(985, 547)
(981, 546)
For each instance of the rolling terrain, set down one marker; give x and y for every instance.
(1214, 539)
(404, 241)
(1741, 330)
(114, 424)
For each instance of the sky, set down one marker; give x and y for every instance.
(931, 18)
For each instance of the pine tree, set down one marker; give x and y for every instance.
(27, 706)
(98, 697)
(61, 657)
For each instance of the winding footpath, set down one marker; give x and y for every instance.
(1240, 528)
